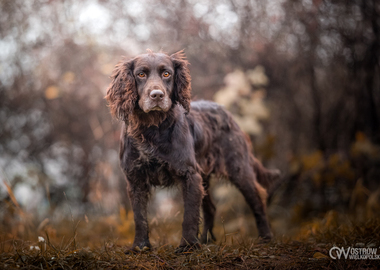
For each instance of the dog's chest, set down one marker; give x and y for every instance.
(146, 153)
(156, 171)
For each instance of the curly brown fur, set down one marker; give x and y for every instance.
(167, 141)
(182, 80)
(122, 94)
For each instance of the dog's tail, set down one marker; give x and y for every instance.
(268, 179)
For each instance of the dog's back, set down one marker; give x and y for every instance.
(221, 147)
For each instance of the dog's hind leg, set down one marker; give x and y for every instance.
(244, 179)
(209, 210)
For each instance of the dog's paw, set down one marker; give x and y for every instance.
(137, 250)
(187, 248)
(265, 239)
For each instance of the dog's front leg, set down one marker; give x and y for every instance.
(139, 199)
(192, 195)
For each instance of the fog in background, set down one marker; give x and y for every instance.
(302, 78)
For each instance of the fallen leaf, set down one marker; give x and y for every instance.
(319, 255)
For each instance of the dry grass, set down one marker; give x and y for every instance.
(100, 242)
(93, 245)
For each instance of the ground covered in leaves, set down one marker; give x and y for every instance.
(307, 250)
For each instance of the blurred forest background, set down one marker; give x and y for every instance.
(302, 78)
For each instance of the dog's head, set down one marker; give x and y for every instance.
(149, 83)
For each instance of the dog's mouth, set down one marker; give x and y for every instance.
(156, 108)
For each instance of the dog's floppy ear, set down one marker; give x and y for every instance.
(122, 93)
(182, 80)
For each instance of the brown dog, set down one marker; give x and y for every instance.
(166, 140)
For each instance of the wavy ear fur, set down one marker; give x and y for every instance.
(121, 93)
(182, 80)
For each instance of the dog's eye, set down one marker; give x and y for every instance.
(166, 74)
(141, 74)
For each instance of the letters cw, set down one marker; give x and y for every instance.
(339, 252)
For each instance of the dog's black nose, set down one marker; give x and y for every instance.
(156, 94)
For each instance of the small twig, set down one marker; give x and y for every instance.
(162, 261)
(49, 243)
(224, 231)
